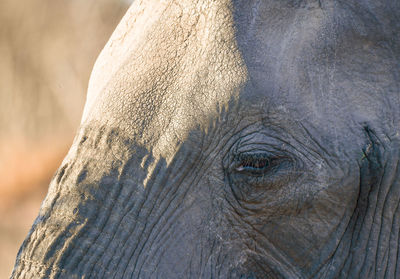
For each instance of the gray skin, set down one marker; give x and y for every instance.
(233, 139)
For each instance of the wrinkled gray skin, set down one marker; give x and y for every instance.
(233, 139)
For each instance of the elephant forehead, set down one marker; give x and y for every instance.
(317, 60)
(169, 67)
(172, 67)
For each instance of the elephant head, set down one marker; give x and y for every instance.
(233, 139)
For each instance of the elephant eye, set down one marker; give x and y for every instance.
(256, 164)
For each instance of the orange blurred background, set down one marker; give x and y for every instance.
(47, 50)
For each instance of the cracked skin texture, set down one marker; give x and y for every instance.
(232, 139)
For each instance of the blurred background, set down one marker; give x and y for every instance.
(47, 51)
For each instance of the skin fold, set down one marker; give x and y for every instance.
(232, 139)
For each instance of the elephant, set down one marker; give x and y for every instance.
(232, 139)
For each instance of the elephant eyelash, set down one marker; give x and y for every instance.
(257, 163)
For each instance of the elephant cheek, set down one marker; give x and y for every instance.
(310, 237)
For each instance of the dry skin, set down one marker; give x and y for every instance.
(47, 50)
